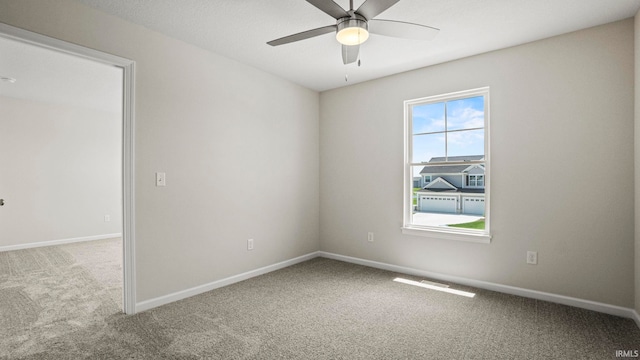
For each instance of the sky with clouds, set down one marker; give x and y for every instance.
(429, 123)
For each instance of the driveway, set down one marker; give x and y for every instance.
(435, 219)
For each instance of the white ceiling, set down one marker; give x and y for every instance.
(239, 29)
(49, 76)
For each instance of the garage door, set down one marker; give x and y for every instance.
(443, 204)
(473, 206)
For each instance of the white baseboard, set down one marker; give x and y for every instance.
(166, 299)
(533, 294)
(58, 242)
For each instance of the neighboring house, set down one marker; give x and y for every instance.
(455, 189)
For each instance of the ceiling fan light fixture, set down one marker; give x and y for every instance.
(352, 26)
(352, 31)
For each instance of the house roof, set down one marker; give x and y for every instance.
(457, 158)
(457, 191)
(450, 188)
(443, 169)
(439, 182)
(449, 169)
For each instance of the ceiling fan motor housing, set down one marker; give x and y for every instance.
(352, 30)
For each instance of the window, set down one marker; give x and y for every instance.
(446, 138)
(475, 181)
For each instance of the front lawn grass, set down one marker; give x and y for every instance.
(415, 197)
(478, 224)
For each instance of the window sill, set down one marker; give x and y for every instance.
(448, 234)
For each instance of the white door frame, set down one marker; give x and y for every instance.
(128, 201)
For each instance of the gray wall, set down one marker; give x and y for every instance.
(560, 106)
(60, 171)
(209, 123)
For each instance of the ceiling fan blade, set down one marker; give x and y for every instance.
(303, 35)
(328, 6)
(350, 53)
(401, 29)
(373, 8)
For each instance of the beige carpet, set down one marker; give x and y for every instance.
(51, 292)
(62, 308)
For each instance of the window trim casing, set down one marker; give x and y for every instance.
(438, 232)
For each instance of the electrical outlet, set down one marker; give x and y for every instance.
(532, 257)
(107, 218)
(370, 237)
(250, 244)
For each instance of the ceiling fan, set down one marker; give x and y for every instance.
(352, 27)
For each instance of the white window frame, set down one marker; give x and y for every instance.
(478, 236)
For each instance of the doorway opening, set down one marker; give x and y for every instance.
(119, 217)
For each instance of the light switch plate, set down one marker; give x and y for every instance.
(161, 179)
